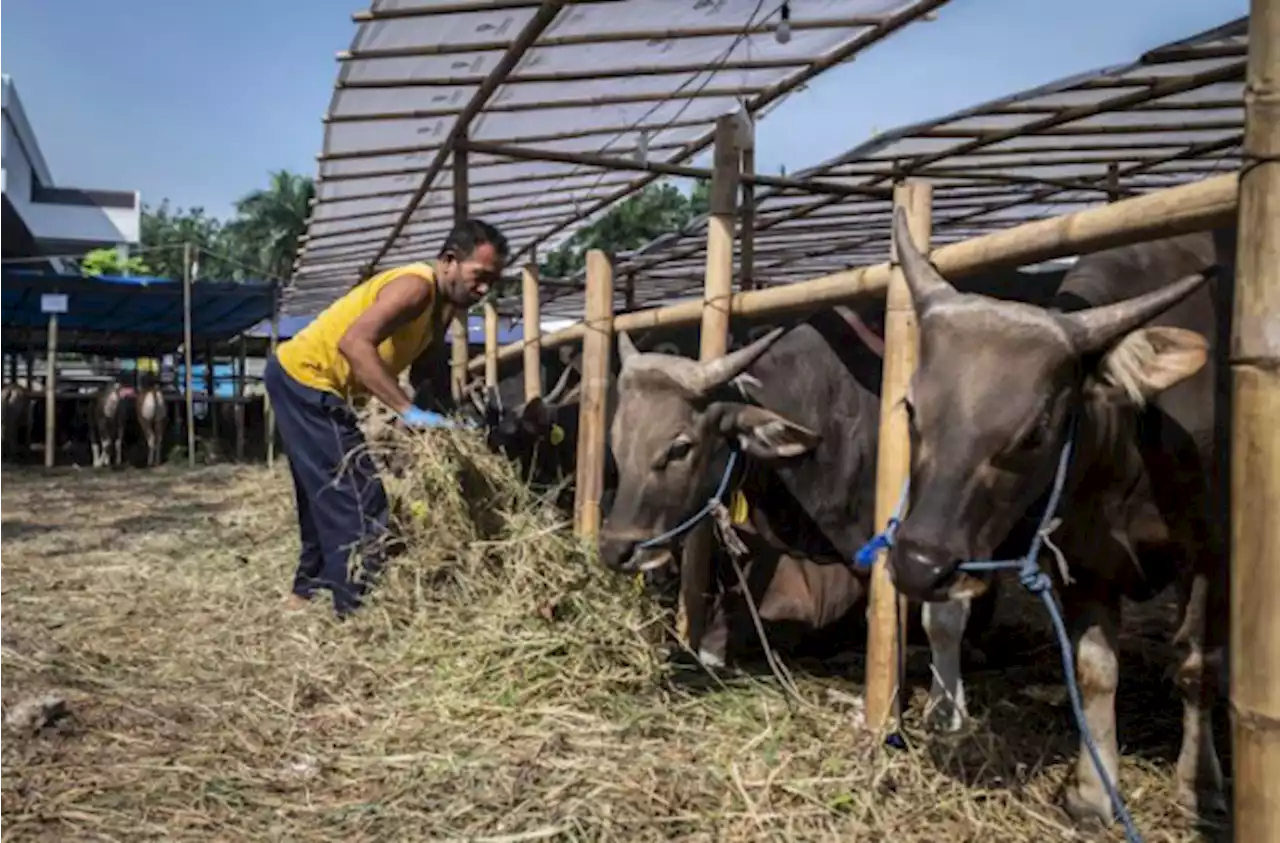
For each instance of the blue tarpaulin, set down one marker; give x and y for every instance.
(133, 316)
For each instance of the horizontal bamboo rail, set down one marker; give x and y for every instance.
(1177, 210)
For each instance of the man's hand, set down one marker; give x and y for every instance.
(416, 417)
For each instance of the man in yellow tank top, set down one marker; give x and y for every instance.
(359, 346)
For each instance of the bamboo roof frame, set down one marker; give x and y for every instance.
(421, 79)
(1174, 115)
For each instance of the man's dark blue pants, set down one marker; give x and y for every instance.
(342, 506)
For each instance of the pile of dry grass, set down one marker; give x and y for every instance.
(499, 686)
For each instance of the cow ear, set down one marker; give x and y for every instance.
(535, 416)
(1148, 361)
(765, 434)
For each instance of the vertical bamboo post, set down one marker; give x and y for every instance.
(747, 259)
(532, 333)
(461, 210)
(239, 411)
(187, 355)
(893, 462)
(490, 345)
(592, 421)
(271, 352)
(1255, 446)
(695, 567)
(51, 393)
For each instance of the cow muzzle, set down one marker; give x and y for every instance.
(625, 556)
(924, 573)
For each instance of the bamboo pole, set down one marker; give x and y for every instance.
(1255, 460)
(51, 393)
(271, 351)
(461, 210)
(1177, 210)
(186, 353)
(532, 333)
(695, 567)
(239, 410)
(893, 463)
(490, 345)
(594, 395)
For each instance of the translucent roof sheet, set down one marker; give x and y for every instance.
(1174, 115)
(592, 76)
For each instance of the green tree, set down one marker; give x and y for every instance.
(165, 230)
(655, 210)
(269, 222)
(108, 262)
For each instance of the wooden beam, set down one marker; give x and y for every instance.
(51, 392)
(1255, 445)
(1165, 213)
(592, 419)
(490, 345)
(606, 162)
(271, 352)
(241, 360)
(885, 616)
(461, 211)
(591, 75)
(532, 322)
(188, 356)
(546, 13)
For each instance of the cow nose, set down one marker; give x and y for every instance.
(617, 554)
(921, 572)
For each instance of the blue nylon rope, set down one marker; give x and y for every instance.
(692, 521)
(1038, 583)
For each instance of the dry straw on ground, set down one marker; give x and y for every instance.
(500, 686)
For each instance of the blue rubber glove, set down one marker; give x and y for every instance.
(417, 417)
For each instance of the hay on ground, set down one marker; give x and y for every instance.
(498, 686)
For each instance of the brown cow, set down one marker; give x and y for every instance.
(152, 416)
(106, 426)
(18, 408)
(999, 387)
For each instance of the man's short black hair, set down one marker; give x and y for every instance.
(470, 233)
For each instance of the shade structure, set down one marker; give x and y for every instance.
(629, 78)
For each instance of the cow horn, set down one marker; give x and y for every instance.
(626, 348)
(1094, 329)
(556, 391)
(923, 280)
(720, 371)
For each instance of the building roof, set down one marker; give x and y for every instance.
(1174, 115)
(425, 79)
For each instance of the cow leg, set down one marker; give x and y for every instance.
(119, 447)
(1094, 623)
(97, 451)
(1200, 783)
(944, 623)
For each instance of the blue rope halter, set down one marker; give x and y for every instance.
(709, 507)
(1037, 582)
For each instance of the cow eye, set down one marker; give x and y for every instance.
(679, 449)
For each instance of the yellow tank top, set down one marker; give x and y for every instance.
(311, 356)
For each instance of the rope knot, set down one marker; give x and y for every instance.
(866, 555)
(1034, 580)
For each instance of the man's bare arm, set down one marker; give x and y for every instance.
(403, 299)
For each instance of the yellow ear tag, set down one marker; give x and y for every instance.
(557, 434)
(418, 509)
(738, 509)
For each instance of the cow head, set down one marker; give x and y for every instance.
(991, 404)
(675, 422)
(528, 432)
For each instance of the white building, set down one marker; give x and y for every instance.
(43, 218)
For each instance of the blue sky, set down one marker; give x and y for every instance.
(197, 101)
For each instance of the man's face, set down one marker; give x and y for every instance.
(466, 280)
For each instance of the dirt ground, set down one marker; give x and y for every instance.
(505, 690)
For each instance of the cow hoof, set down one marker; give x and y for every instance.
(1091, 810)
(1207, 804)
(710, 660)
(943, 717)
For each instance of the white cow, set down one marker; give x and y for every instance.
(152, 414)
(106, 429)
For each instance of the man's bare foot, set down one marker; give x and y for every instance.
(294, 603)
